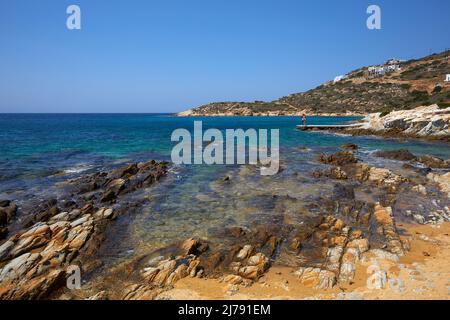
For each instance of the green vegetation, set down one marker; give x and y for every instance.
(419, 96)
(405, 86)
(385, 112)
(444, 105)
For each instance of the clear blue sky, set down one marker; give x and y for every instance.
(170, 55)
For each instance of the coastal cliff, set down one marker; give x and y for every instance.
(383, 88)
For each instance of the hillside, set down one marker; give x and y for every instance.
(391, 86)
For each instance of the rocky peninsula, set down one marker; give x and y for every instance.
(425, 122)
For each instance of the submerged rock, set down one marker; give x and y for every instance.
(338, 159)
(434, 162)
(349, 146)
(332, 173)
(403, 155)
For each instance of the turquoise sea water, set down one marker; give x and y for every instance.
(40, 145)
(39, 150)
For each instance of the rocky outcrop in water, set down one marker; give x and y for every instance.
(35, 261)
(423, 122)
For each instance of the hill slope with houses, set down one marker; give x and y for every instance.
(394, 85)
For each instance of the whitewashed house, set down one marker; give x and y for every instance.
(447, 78)
(393, 67)
(339, 78)
(377, 71)
(393, 61)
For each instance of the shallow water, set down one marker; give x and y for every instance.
(37, 151)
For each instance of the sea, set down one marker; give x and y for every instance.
(38, 151)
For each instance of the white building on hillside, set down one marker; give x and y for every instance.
(393, 61)
(393, 67)
(447, 78)
(377, 70)
(339, 78)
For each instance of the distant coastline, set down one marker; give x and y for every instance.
(394, 85)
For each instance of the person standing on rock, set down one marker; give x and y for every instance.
(304, 120)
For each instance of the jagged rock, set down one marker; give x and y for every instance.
(382, 177)
(420, 189)
(348, 265)
(377, 279)
(104, 213)
(349, 146)
(245, 252)
(424, 121)
(443, 181)
(116, 185)
(434, 162)
(419, 218)
(338, 225)
(361, 244)
(150, 273)
(236, 280)
(386, 227)
(5, 248)
(189, 246)
(193, 267)
(402, 155)
(180, 272)
(30, 240)
(378, 254)
(256, 266)
(167, 272)
(332, 173)
(17, 267)
(34, 260)
(334, 258)
(258, 260)
(250, 272)
(102, 295)
(316, 277)
(140, 292)
(40, 254)
(338, 159)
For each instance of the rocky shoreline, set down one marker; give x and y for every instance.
(67, 232)
(354, 227)
(245, 112)
(426, 122)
